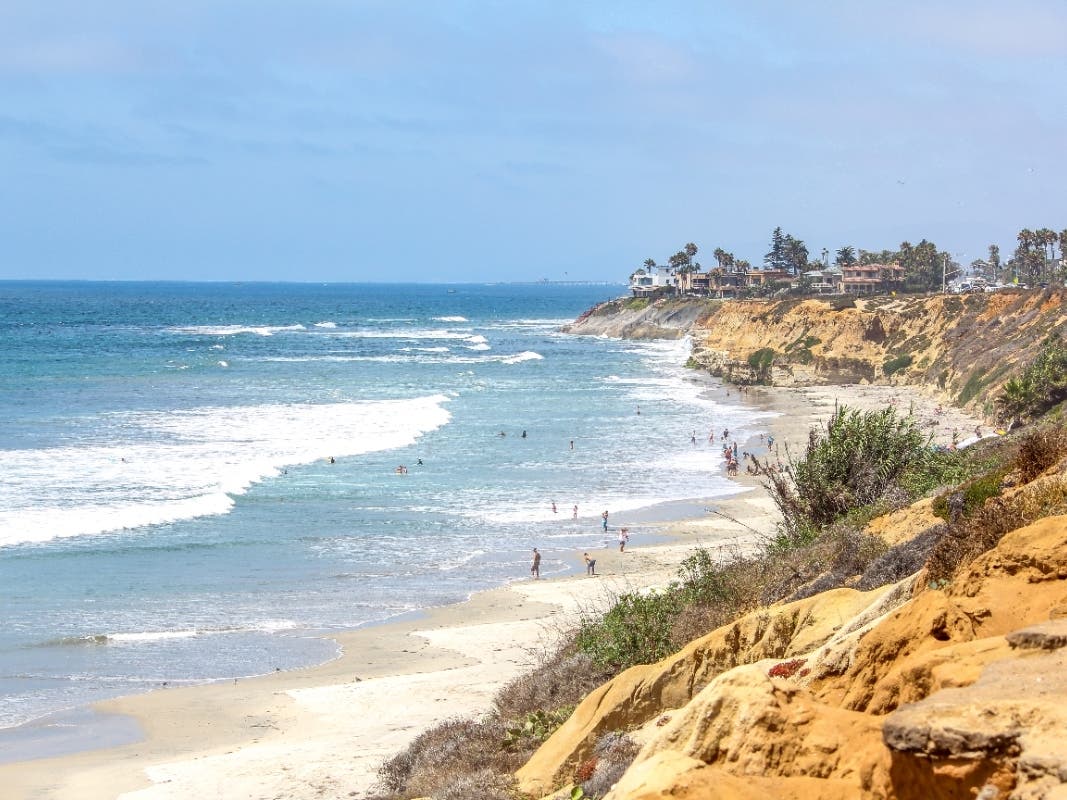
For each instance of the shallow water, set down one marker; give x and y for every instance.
(200, 478)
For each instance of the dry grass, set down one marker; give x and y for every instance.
(450, 759)
(1040, 450)
(563, 678)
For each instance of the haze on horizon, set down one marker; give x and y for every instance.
(472, 141)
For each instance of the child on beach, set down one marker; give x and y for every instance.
(590, 564)
(624, 537)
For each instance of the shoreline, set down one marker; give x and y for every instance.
(325, 729)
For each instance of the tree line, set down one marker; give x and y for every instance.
(1038, 258)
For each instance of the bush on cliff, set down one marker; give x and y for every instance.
(854, 462)
(1042, 385)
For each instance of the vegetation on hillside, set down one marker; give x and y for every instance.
(1041, 386)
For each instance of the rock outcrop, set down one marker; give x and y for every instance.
(905, 692)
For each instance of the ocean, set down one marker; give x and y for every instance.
(201, 480)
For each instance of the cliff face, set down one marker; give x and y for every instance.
(905, 692)
(961, 347)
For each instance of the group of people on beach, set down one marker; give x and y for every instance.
(590, 562)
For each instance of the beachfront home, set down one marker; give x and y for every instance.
(872, 278)
(725, 285)
(766, 277)
(822, 281)
(694, 283)
(653, 282)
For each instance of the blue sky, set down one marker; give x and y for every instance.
(470, 141)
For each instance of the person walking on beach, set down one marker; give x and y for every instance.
(604, 517)
(624, 537)
(535, 568)
(590, 564)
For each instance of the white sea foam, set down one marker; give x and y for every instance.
(414, 333)
(151, 636)
(450, 319)
(481, 346)
(234, 330)
(527, 355)
(326, 324)
(174, 465)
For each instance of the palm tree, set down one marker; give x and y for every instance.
(650, 264)
(1046, 238)
(796, 255)
(718, 255)
(845, 257)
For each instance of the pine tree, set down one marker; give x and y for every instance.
(775, 259)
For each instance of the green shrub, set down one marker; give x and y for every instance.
(897, 364)
(637, 304)
(760, 362)
(969, 497)
(852, 463)
(636, 630)
(1042, 385)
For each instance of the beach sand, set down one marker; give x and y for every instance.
(322, 732)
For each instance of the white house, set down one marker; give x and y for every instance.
(658, 280)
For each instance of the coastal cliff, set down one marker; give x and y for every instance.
(919, 689)
(960, 348)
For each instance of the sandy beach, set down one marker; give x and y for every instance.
(324, 731)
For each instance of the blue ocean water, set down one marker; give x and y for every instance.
(201, 479)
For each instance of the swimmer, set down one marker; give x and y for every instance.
(575, 513)
(418, 463)
(524, 434)
(553, 506)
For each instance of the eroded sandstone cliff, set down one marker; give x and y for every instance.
(906, 692)
(961, 347)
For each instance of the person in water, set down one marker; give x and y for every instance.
(535, 568)
(604, 517)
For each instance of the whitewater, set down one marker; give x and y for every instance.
(202, 481)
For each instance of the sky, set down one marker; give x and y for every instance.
(464, 140)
